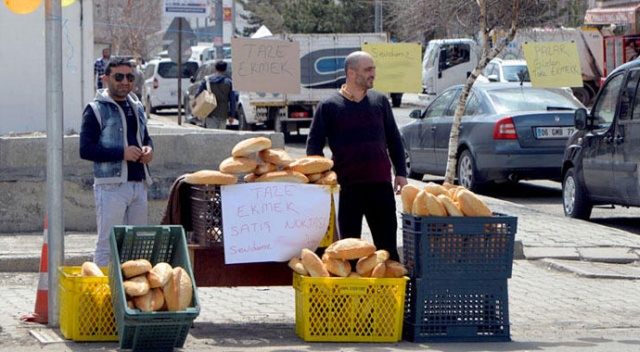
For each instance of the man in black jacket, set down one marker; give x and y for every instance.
(222, 88)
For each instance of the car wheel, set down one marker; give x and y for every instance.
(574, 200)
(467, 171)
(410, 173)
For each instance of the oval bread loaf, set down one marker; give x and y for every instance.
(408, 195)
(313, 263)
(328, 178)
(132, 268)
(159, 275)
(472, 205)
(296, 265)
(264, 168)
(90, 269)
(178, 292)
(251, 145)
(136, 286)
(419, 207)
(283, 176)
(311, 164)
(350, 248)
(366, 264)
(338, 267)
(434, 206)
(435, 189)
(238, 165)
(275, 156)
(395, 269)
(210, 177)
(151, 301)
(450, 205)
(379, 270)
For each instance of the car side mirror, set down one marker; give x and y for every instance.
(192, 79)
(415, 114)
(492, 78)
(580, 119)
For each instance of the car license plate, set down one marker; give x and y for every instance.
(554, 132)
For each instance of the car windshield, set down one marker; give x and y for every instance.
(513, 73)
(170, 69)
(510, 100)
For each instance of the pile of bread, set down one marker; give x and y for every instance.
(149, 289)
(258, 162)
(442, 200)
(336, 261)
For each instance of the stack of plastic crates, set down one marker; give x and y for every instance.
(150, 331)
(459, 268)
(331, 309)
(86, 311)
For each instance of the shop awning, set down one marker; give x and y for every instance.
(612, 15)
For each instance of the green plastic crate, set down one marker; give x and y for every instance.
(150, 331)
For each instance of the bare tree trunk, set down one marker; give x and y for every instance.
(488, 54)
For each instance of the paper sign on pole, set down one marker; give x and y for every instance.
(553, 64)
(398, 66)
(273, 221)
(266, 65)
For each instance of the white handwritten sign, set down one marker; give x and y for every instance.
(273, 221)
(266, 65)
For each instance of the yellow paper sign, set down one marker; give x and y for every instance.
(398, 66)
(553, 64)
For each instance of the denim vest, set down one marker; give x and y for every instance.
(112, 120)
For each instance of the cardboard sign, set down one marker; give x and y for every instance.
(553, 64)
(273, 221)
(266, 65)
(398, 66)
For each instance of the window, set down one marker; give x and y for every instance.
(440, 106)
(605, 108)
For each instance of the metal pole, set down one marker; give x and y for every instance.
(53, 50)
(378, 16)
(179, 70)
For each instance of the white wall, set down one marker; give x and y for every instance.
(23, 98)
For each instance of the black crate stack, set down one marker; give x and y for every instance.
(458, 268)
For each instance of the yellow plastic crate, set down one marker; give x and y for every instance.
(349, 310)
(86, 310)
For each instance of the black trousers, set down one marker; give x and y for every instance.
(376, 203)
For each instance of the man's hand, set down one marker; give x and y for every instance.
(398, 183)
(132, 153)
(147, 154)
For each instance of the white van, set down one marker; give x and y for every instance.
(446, 63)
(161, 83)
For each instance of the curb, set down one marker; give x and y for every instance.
(31, 263)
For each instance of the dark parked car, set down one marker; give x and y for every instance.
(508, 133)
(206, 69)
(600, 164)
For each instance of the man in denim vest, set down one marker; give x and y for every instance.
(114, 136)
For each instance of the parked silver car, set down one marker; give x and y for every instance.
(508, 133)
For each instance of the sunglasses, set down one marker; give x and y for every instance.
(120, 76)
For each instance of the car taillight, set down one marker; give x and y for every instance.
(504, 129)
(155, 83)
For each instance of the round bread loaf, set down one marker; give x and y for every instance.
(275, 156)
(296, 265)
(210, 177)
(283, 176)
(132, 268)
(179, 290)
(338, 267)
(136, 286)
(151, 301)
(311, 164)
(90, 269)
(238, 165)
(263, 168)
(366, 264)
(408, 195)
(450, 205)
(350, 248)
(251, 145)
(159, 275)
(328, 178)
(313, 264)
(471, 205)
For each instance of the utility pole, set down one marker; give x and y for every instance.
(378, 16)
(217, 36)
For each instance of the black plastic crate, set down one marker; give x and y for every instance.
(456, 311)
(463, 247)
(206, 215)
(150, 331)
